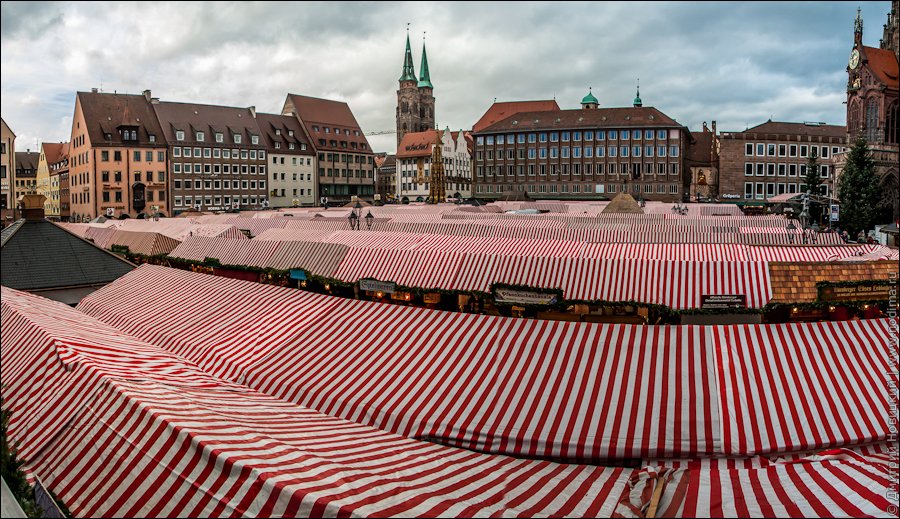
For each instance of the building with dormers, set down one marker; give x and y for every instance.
(25, 180)
(587, 153)
(117, 157)
(217, 156)
(292, 168)
(414, 163)
(415, 97)
(344, 159)
(873, 82)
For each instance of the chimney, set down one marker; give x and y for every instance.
(714, 126)
(32, 207)
(94, 90)
(253, 111)
(705, 129)
(147, 95)
(154, 100)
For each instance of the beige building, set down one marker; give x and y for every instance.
(117, 157)
(7, 170)
(47, 179)
(292, 161)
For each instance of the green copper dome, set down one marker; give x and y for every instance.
(637, 97)
(589, 99)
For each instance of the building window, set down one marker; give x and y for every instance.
(179, 135)
(200, 136)
(237, 138)
(254, 139)
(792, 150)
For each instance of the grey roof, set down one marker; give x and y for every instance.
(38, 255)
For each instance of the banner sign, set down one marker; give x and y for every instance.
(835, 212)
(718, 301)
(371, 285)
(858, 292)
(525, 297)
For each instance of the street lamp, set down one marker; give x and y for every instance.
(369, 219)
(354, 220)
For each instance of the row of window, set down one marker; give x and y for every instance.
(216, 153)
(623, 168)
(577, 135)
(296, 161)
(291, 146)
(452, 186)
(218, 184)
(337, 131)
(577, 152)
(762, 190)
(308, 177)
(216, 201)
(136, 157)
(334, 144)
(303, 192)
(215, 169)
(661, 189)
(760, 169)
(149, 194)
(345, 173)
(344, 157)
(219, 136)
(759, 149)
(117, 176)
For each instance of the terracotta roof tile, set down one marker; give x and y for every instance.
(325, 113)
(104, 113)
(417, 144)
(581, 118)
(499, 111)
(796, 282)
(883, 63)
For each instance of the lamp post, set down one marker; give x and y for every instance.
(369, 219)
(354, 220)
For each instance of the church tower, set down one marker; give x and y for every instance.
(415, 97)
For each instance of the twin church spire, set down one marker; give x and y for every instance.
(409, 72)
(415, 97)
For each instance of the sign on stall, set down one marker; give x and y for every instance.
(372, 285)
(717, 301)
(525, 297)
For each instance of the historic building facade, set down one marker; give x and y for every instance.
(415, 97)
(386, 185)
(7, 171)
(591, 153)
(414, 164)
(25, 179)
(292, 161)
(344, 159)
(217, 157)
(771, 159)
(872, 106)
(117, 157)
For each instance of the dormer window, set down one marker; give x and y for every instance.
(152, 138)
(254, 139)
(237, 138)
(277, 131)
(277, 145)
(291, 145)
(291, 133)
(200, 136)
(315, 128)
(327, 130)
(179, 135)
(220, 137)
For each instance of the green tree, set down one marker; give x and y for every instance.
(814, 185)
(858, 189)
(11, 468)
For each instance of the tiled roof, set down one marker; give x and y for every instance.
(796, 282)
(783, 128)
(499, 111)
(324, 114)
(883, 63)
(40, 255)
(53, 151)
(209, 119)
(105, 113)
(417, 144)
(287, 124)
(27, 161)
(583, 118)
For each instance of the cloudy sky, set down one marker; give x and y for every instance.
(737, 63)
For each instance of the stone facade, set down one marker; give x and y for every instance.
(770, 159)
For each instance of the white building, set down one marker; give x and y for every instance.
(292, 162)
(414, 165)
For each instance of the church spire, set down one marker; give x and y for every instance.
(858, 25)
(425, 77)
(409, 73)
(637, 97)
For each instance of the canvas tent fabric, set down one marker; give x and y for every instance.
(512, 386)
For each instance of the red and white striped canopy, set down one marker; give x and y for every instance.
(518, 386)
